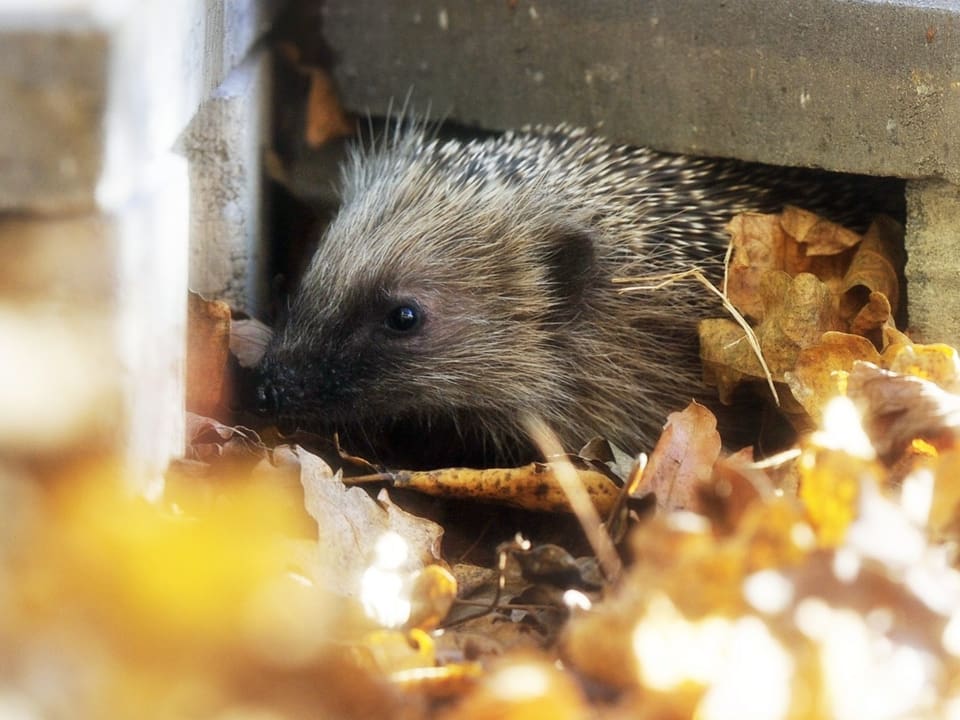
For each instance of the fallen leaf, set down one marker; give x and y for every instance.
(682, 461)
(872, 315)
(728, 359)
(248, 341)
(898, 408)
(208, 345)
(799, 276)
(326, 118)
(820, 371)
(735, 485)
(758, 245)
(531, 487)
(817, 235)
(350, 522)
(797, 311)
(937, 363)
(873, 266)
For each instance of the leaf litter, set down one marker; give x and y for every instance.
(820, 582)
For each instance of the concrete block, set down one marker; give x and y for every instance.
(224, 144)
(92, 316)
(95, 92)
(94, 266)
(861, 86)
(933, 260)
(59, 370)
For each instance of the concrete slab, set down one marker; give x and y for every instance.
(854, 85)
(93, 314)
(95, 91)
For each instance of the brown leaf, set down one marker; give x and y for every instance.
(898, 408)
(872, 315)
(208, 344)
(817, 235)
(874, 264)
(937, 363)
(350, 522)
(797, 241)
(326, 118)
(821, 370)
(735, 485)
(682, 461)
(531, 487)
(797, 311)
(759, 245)
(727, 358)
(794, 242)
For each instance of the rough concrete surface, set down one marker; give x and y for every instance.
(856, 85)
(94, 214)
(933, 265)
(53, 89)
(224, 145)
(94, 91)
(92, 321)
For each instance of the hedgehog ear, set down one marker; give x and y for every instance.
(570, 260)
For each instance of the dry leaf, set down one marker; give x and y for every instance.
(873, 267)
(840, 282)
(937, 363)
(872, 315)
(794, 241)
(820, 372)
(898, 408)
(797, 311)
(759, 245)
(248, 341)
(350, 523)
(531, 487)
(727, 358)
(736, 484)
(326, 118)
(681, 464)
(208, 345)
(817, 235)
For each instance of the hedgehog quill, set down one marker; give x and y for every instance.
(465, 284)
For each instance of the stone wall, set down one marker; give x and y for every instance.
(130, 134)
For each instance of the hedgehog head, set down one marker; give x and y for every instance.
(440, 293)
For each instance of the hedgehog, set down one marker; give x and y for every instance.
(466, 285)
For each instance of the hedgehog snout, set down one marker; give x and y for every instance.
(267, 397)
(276, 390)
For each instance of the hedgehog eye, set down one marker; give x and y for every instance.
(404, 318)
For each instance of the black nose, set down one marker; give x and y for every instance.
(268, 400)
